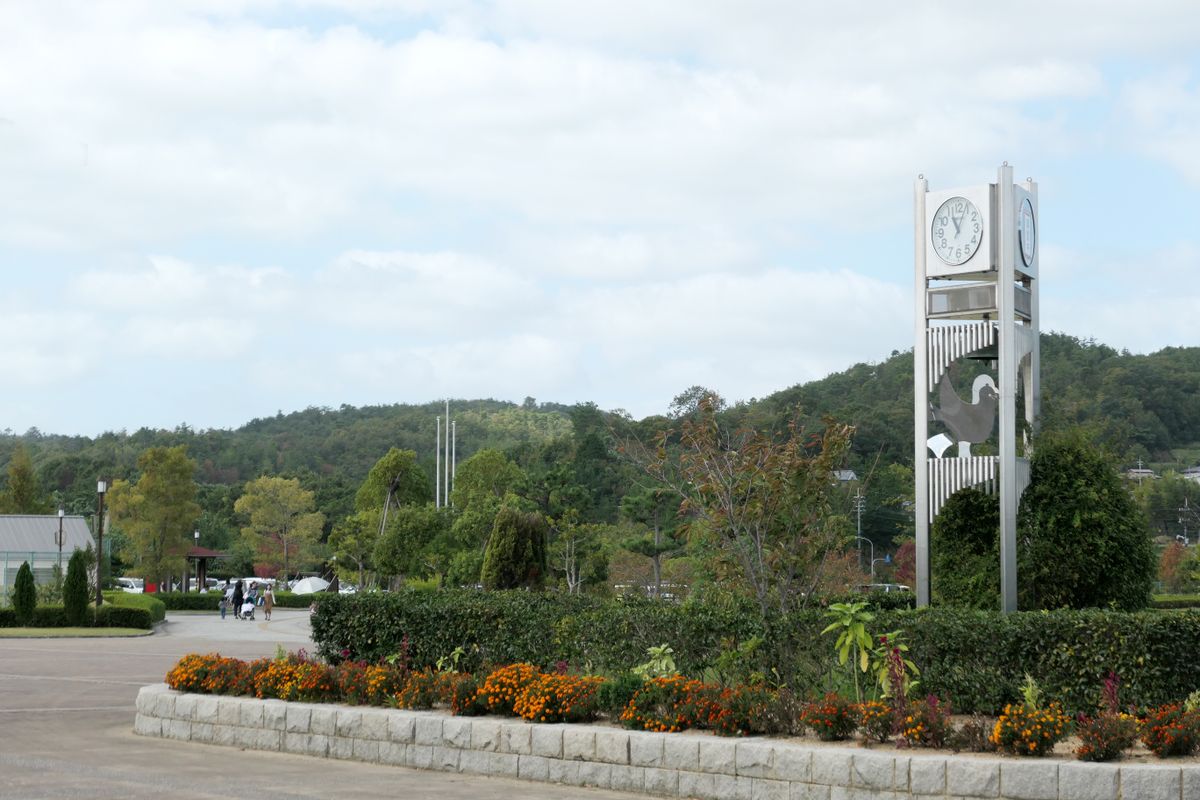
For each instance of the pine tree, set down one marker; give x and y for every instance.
(24, 597)
(516, 552)
(75, 589)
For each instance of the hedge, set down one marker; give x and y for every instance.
(156, 607)
(207, 601)
(1175, 601)
(109, 616)
(976, 659)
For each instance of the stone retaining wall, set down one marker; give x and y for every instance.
(669, 765)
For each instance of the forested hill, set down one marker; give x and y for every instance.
(1144, 406)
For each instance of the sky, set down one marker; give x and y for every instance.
(214, 211)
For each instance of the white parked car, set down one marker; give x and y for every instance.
(131, 585)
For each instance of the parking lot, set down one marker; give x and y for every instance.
(67, 709)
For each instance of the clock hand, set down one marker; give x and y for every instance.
(957, 223)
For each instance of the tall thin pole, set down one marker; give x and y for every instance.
(437, 469)
(101, 487)
(446, 483)
(453, 451)
(920, 398)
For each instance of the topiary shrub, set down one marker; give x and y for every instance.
(75, 589)
(24, 598)
(516, 552)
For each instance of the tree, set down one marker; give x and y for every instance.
(404, 548)
(24, 597)
(23, 495)
(353, 541)
(579, 552)
(1083, 543)
(1171, 567)
(657, 510)
(158, 514)
(516, 552)
(394, 481)
(765, 499)
(483, 480)
(964, 551)
(280, 523)
(75, 589)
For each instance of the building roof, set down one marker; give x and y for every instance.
(32, 533)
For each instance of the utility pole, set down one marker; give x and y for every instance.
(860, 504)
(446, 484)
(437, 468)
(453, 456)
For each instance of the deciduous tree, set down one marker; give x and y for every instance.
(280, 523)
(23, 494)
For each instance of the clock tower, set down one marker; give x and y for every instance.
(976, 268)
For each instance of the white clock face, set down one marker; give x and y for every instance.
(957, 231)
(1027, 232)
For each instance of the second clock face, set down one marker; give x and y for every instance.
(957, 231)
(1027, 232)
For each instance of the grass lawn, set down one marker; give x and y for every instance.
(70, 633)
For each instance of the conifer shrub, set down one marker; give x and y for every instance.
(24, 598)
(75, 590)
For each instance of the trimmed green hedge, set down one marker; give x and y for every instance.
(976, 659)
(156, 607)
(207, 601)
(109, 616)
(1175, 601)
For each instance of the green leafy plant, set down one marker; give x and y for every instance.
(1031, 693)
(615, 693)
(450, 663)
(895, 672)
(660, 665)
(850, 621)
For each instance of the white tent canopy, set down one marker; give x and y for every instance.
(310, 586)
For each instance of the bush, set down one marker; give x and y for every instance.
(1024, 731)
(615, 693)
(24, 596)
(559, 698)
(516, 551)
(832, 719)
(1105, 736)
(875, 720)
(663, 704)
(500, 690)
(207, 601)
(75, 590)
(110, 616)
(461, 691)
(927, 723)
(156, 607)
(422, 690)
(1171, 730)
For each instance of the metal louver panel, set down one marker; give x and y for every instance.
(946, 344)
(948, 475)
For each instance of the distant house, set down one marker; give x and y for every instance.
(34, 538)
(845, 475)
(1140, 474)
(1192, 474)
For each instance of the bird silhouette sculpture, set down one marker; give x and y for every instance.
(969, 422)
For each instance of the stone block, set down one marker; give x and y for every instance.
(547, 740)
(809, 791)
(516, 738)
(419, 756)
(503, 765)
(474, 762)
(402, 728)
(297, 718)
(901, 770)
(698, 784)
(645, 749)
(831, 767)
(374, 724)
(973, 777)
(274, 714)
(164, 705)
(628, 779)
(202, 732)
(185, 707)
(265, 739)
(294, 742)
(562, 771)
(229, 711)
(681, 751)
(1151, 782)
(250, 714)
(792, 763)
(579, 743)
(323, 721)
(612, 747)
(755, 759)
(348, 723)
(393, 753)
(872, 770)
(765, 789)
(225, 735)
(719, 756)
(147, 699)
(1029, 780)
(857, 793)
(456, 732)
(317, 745)
(429, 731)
(593, 773)
(533, 768)
(366, 750)
(341, 747)
(146, 725)
(661, 781)
(1191, 781)
(926, 776)
(730, 787)
(206, 708)
(444, 759)
(485, 735)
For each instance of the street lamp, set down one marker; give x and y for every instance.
(886, 559)
(196, 535)
(61, 514)
(101, 488)
(868, 541)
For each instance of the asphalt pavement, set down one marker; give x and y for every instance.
(66, 727)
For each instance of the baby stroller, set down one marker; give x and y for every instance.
(248, 610)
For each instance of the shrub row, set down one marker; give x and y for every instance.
(156, 607)
(974, 658)
(109, 616)
(207, 601)
(1175, 601)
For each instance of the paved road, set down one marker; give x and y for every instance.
(66, 721)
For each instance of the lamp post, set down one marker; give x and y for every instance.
(101, 488)
(872, 544)
(886, 559)
(61, 513)
(196, 536)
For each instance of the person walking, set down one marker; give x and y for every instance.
(268, 602)
(238, 599)
(226, 598)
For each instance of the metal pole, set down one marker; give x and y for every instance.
(437, 467)
(60, 539)
(859, 503)
(453, 453)
(101, 488)
(446, 483)
(920, 398)
(1008, 389)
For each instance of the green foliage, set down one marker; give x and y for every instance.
(850, 621)
(661, 663)
(24, 594)
(150, 603)
(1083, 540)
(75, 589)
(409, 547)
(615, 693)
(207, 601)
(395, 480)
(23, 494)
(964, 551)
(110, 616)
(516, 552)
(281, 524)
